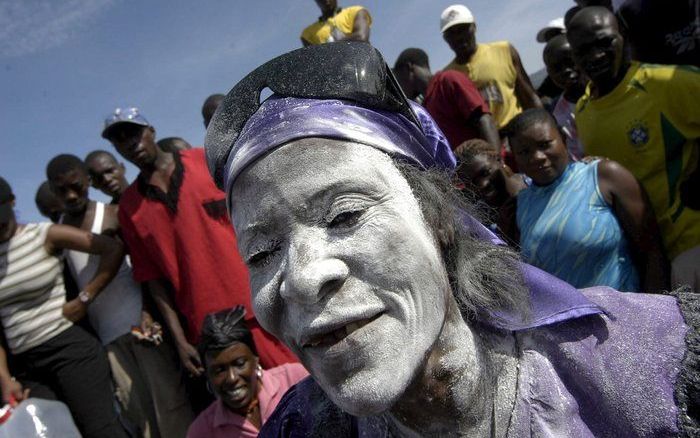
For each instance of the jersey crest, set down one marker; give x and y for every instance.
(638, 133)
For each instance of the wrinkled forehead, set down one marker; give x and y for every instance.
(305, 172)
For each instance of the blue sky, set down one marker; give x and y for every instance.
(65, 64)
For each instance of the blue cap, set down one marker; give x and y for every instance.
(123, 115)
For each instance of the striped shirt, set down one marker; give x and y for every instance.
(31, 290)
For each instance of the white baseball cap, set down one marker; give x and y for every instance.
(455, 14)
(554, 25)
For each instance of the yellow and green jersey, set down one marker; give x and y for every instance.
(650, 123)
(320, 31)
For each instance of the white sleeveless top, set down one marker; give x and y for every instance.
(32, 293)
(118, 307)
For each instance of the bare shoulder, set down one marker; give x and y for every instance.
(611, 170)
(111, 218)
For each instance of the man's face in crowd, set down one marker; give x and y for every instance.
(107, 175)
(461, 38)
(327, 7)
(484, 174)
(596, 43)
(52, 211)
(405, 76)
(136, 143)
(71, 188)
(49, 204)
(561, 67)
(343, 268)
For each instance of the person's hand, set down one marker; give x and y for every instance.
(150, 331)
(13, 392)
(190, 358)
(74, 310)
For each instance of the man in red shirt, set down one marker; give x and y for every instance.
(175, 224)
(450, 98)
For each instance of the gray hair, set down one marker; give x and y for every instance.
(484, 277)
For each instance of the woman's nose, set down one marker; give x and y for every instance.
(312, 270)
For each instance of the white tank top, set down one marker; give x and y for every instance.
(118, 307)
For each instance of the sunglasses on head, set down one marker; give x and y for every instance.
(352, 71)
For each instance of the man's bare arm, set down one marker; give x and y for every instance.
(524, 90)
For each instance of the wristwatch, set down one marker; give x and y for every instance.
(84, 297)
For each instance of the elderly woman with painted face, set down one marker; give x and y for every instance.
(408, 315)
(246, 395)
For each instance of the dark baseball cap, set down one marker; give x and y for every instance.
(123, 115)
(6, 198)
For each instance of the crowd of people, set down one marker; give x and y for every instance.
(551, 221)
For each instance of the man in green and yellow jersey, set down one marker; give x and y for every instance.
(647, 118)
(337, 24)
(495, 68)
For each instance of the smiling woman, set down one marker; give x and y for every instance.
(411, 320)
(246, 395)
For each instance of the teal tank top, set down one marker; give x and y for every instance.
(568, 230)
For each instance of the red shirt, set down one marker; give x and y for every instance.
(193, 247)
(455, 104)
(217, 421)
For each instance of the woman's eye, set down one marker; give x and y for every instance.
(263, 256)
(345, 219)
(260, 258)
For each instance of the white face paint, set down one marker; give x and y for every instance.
(343, 268)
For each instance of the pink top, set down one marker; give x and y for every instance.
(217, 421)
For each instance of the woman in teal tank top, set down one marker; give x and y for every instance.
(589, 224)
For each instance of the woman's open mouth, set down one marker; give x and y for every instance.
(238, 393)
(337, 335)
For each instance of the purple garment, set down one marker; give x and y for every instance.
(604, 375)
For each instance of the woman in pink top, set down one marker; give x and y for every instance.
(245, 394)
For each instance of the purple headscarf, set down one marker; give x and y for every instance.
(281, 120)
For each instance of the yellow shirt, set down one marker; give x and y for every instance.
(320, 31)
(492, 71)
(650, 123)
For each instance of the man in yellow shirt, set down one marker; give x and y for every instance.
(337, 24)
(495, 68)
(647, 118)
